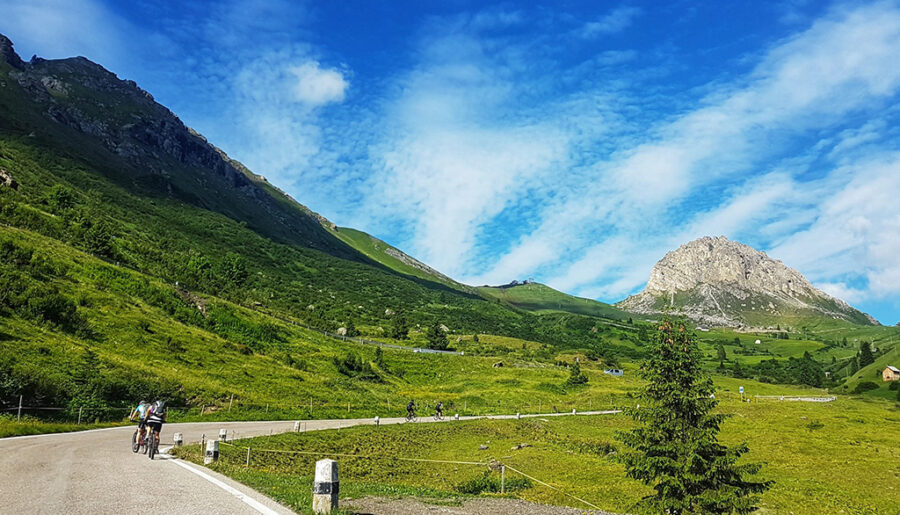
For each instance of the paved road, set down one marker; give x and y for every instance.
(94, 472)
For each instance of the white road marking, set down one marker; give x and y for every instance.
(253, 503)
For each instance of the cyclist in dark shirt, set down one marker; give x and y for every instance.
(411, 409)
(439, 409)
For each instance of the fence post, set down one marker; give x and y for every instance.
(348, 407)
(202, 441)
(19, 416)
(518, 416)
(179, 439)
(230, 402)
(297, 426)
(223, 435)
(502, 479)
(325, 487)
(248, 456)
(79, 414)
(377, 420)
(456, 416)
(212, 452)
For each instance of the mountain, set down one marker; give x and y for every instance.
(147, 147)
(531, 296)
(128, 240)
(720, 282)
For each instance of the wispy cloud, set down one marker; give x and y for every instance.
(613, 22)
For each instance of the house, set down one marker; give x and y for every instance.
(614, 372)
(890, 373)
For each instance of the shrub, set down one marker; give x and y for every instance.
(865, 386)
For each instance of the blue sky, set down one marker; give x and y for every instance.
(572, 142)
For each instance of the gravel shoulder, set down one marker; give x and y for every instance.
(412, 506)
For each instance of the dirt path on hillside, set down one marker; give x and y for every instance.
(411, 506)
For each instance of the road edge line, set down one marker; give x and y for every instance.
(253, 503)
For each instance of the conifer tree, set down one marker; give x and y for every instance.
(675, 447)
(351, 329)
(400, 330)
(865, 354)
(437, 339)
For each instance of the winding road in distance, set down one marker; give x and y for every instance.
(94, 471)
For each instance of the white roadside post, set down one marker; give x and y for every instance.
(573, 411)
(212, 452)
(297, 426)
(325, 487)
(179, 439)
(377, 420)
(518, 416)
(456, 416)
(223, 435)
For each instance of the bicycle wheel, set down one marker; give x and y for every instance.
(144, 443)
(135, 444)
(152, 446)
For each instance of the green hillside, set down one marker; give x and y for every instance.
(393, 258)
(541, 298)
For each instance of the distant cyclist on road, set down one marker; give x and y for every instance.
(411, 410)
(156, 417)
(439, 410)
(141, 413)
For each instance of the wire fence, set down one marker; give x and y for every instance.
(244, 456)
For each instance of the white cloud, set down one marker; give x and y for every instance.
(317, 86)
(614, 22)
(810, 82)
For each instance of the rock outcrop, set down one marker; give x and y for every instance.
(720, 282)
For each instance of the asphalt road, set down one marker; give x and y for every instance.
(95, 472)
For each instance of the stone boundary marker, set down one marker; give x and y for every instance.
(325, 487)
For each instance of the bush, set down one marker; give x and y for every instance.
(865, 386)
(895, 385)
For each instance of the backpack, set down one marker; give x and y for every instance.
(159, 408)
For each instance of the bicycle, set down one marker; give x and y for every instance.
(139, 443)
(153, 444)
(411, 416)
(438, 415)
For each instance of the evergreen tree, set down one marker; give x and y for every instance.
(737, 371)
(865, 354)
(675, 448)
(400, 329)
(576, 376)
(379, 359)
(351, 329)
(475, 337)
(437, 339)
(720, 352)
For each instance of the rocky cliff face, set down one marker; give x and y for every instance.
(725, 283)
(146, 144)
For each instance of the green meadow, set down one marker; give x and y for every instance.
(832, 457)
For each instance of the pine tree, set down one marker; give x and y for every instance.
(865, 354)
(437, 339)
(400, 330)
(576, 376)
(720, 352)
(675, 448)
(351, 329)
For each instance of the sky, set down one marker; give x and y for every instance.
(570, 142)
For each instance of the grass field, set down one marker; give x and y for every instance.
(810, 450)
(9, 426)
(538, 297)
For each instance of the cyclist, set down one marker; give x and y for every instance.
(141, 413)
(156, 417)
(439, 410)
(411, 410)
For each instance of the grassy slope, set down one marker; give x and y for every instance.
(376, 250)
(538, 297)
(808, 463)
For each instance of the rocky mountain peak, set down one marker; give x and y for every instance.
(9, 53)
(723, 282)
